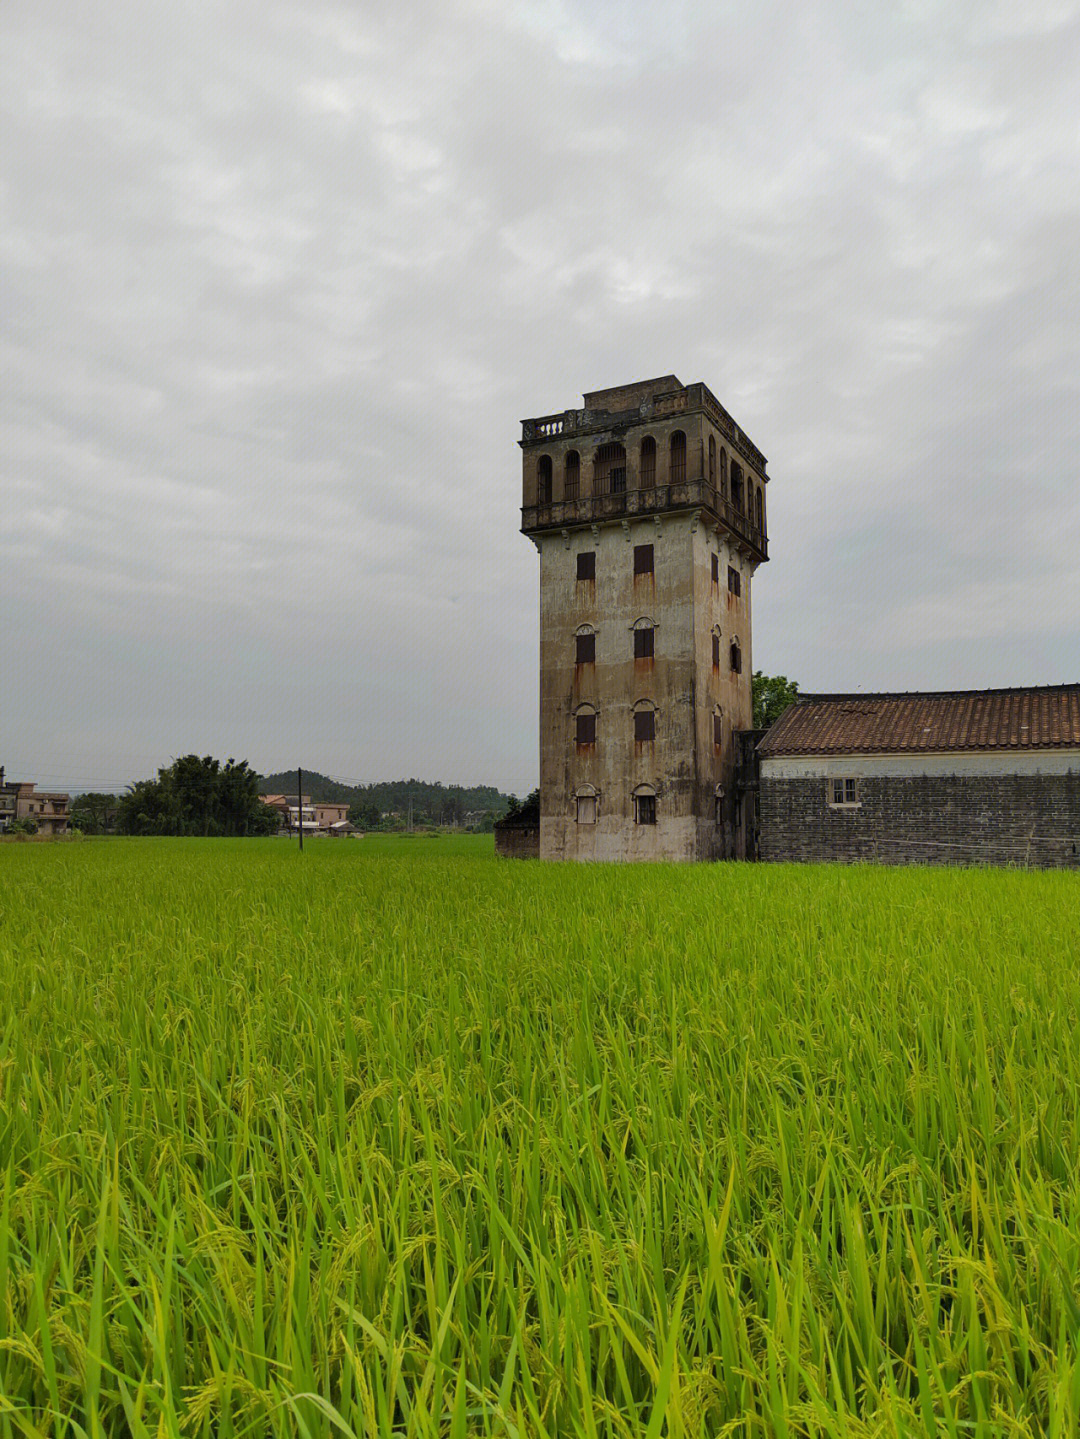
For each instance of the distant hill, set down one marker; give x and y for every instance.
(436, 803)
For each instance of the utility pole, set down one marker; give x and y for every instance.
(300, 806)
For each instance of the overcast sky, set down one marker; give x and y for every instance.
(280, 281)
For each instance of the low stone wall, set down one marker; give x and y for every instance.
(517, 841)
(1029, 820)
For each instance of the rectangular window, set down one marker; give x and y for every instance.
(736, 659)
(844, 792)
(718, 810)
(718, 729)
(586, 565)
(586, 809)
(643, 644)
(734, 581)
(586, 649)
(644, 809)
(644, 725)
(586, 729)
(716, 570)
(643, 559)
(716, 652)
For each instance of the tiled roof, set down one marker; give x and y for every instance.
(1042, 718)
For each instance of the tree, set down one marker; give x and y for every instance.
(22, 826)
(525, 810)
(95, 813)
(194, 796)
(772, 696)
(365, 816)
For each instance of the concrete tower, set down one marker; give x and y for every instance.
(648, 509)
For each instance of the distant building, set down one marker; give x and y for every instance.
(648, 509)
(958, 777)
(320, 817)
(48, 810)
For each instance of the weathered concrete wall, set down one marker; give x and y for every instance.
(1030, 819)
(517, 842)
(682, 765)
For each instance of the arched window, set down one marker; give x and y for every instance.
(644, 638)
(738, 497)
(716, 647)
(712, 461)
(644, 722)
(609, 469)
(644, 804)
(759, 505)
(717, 727)
(543, 480)
(736, 656)
(585, 727)
(723, 472)
(678, 457)
(718, 805)
(586, 804)
(585, 645)
(572, 481)
(648, 463)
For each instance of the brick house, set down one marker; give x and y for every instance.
(964, 777)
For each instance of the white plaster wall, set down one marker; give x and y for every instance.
(977, 763)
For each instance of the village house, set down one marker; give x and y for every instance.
(48, 810)
(958, 777)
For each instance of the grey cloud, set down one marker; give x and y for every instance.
(283, 280)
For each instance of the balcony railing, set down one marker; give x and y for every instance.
(689, 495)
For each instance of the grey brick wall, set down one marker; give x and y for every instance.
(1029, 820)
(517, 842)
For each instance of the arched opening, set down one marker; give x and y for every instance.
(712, 461)
(718, 728)
(644, 638)
(723, 472)
(678, 458)
(736, 657)
(609, 469)
(738, 496)
(572, 478)
(759, 510)
(716, 648)
(543, 480)
(585, 645)
(648, 463)
(644, 723)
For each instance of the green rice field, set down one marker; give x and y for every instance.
(395, 1138)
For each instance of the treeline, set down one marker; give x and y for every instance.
(428, 802)
(192, 796)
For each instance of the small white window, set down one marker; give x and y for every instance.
(586, 809)
(844, 792)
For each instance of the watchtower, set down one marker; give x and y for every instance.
(648, 509)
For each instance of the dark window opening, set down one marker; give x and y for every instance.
(586, 649)
(734, 581)
(543, 480)
(643, 644)
(586, 565)
(572, 483)
(643, 559)
(609, 469)
(736, 659)
(718, 729)
(737, 493)
(586, 729)
(760, 511)
(712, 460)
(716, 652)
(644, 809)
(678, 458)
(648, 462)
(716, 570)
(644, 725)
(723, 472)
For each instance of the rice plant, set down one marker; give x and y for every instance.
(395, 1138)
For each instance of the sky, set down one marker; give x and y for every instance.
(281, 280)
